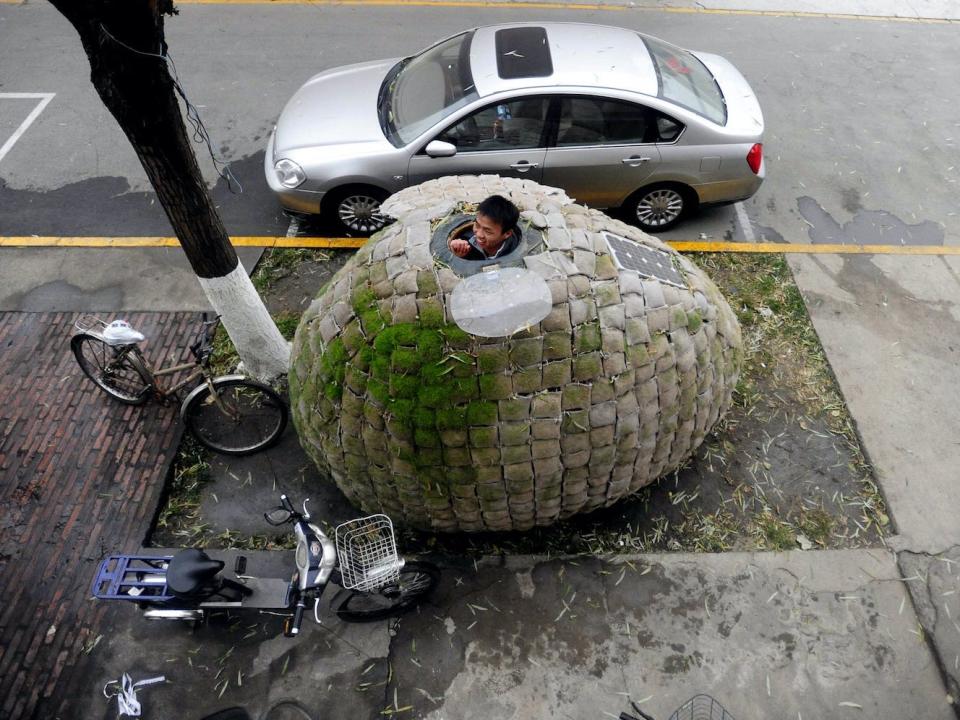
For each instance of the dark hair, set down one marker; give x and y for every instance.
(501, 211)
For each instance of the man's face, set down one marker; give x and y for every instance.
(489, 234)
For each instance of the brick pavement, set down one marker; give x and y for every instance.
(80, 475)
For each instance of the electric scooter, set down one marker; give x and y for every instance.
(362, 559)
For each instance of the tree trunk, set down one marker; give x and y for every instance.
(124, 41)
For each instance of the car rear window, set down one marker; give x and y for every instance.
(684, 80)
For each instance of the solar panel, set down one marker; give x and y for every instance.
(646, 261)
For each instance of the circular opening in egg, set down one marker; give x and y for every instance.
(459, 226)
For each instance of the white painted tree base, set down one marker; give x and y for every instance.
(264, 352)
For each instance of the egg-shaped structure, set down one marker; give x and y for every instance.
(616, 356)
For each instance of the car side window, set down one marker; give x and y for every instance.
(513, 125)
(601, 121)
(668, 129)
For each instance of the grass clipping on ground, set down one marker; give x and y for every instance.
(783, 470)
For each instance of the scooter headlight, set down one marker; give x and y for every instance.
(302, 556)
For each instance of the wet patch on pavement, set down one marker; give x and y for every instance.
(868, 227)
(105, 206)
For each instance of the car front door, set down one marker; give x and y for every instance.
(505, 138)
(604, 149)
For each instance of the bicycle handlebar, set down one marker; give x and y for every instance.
(203, 346)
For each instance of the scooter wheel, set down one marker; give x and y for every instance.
(417, 580)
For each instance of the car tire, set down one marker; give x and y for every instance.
(659, 207)
(355, 210)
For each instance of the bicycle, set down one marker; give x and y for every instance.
(699, 707)
(230, 414)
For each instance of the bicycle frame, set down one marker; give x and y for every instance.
(199, 371)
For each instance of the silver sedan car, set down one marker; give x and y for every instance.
(616, 118)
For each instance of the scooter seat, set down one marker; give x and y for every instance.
(191, 571)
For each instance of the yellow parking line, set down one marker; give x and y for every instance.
(164, 242)
(327, 243)
(812, 248)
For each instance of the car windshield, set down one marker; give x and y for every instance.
(684, 80)
(422, 90)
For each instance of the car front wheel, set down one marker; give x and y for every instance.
(356, 210)
(658, 207)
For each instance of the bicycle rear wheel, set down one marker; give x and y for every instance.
(417, 580)
(119, 374)
(243, 417)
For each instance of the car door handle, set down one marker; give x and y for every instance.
(635, 160)
(524, 165)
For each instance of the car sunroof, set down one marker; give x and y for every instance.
(523, 52)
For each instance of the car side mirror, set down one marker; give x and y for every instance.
(439, 148)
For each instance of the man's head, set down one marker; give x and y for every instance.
(495, 222)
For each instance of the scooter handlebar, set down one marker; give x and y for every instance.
(292, 625)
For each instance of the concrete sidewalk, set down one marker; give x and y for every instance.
(792, 635)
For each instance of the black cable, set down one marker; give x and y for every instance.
(200, 134)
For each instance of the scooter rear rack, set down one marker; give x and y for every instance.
(132, 577)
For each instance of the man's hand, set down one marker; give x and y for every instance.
(459, 247)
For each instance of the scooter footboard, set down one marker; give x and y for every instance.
(132, 577)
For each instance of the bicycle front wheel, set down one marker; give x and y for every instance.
(117, 372)
(417, 580)
(240, 417)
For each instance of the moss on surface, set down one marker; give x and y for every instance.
(436, 399)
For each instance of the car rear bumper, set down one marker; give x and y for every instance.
(729, 191)
(294, 200)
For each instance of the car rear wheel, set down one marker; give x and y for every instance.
(356, 210)
(658, 207)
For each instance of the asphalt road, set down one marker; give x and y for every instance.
(861, 130)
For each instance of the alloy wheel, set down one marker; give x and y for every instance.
(659, 208)
(361, 213)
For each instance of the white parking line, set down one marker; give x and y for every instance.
(44, 99)
(294, 228)
(744, 221)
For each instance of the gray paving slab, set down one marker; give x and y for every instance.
(95, 280)
(888, 325)
(934, 584)
(794, 635)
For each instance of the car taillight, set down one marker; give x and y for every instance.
(755, 157)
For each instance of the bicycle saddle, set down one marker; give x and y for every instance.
(190, 571)
(119, 332)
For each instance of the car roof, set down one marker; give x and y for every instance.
(506, 57)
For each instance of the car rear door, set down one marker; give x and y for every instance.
(505, 138)
(603, 149)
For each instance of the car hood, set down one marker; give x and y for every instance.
(335, 107)
(744, 116)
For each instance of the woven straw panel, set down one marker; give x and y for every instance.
(442, 430)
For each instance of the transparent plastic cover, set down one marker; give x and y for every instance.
(497, 303)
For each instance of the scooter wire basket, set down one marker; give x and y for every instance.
(701, 707)
(367, 551)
